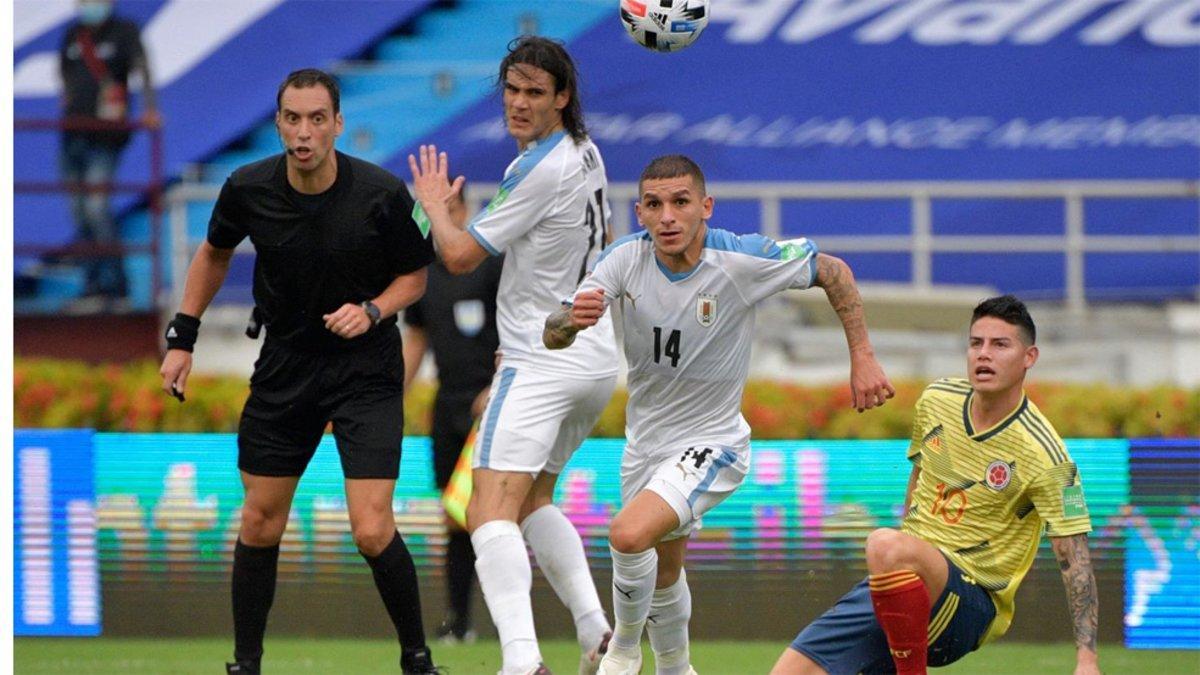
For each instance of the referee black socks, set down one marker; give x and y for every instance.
(254, 570)
(396, 579)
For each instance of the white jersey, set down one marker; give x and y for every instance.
(550, 217)
(688, 335)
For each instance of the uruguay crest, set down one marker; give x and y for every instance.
(706, 309)
(999, 475)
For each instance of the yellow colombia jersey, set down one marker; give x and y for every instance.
(984, 494)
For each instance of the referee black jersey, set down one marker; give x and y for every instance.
(458, 314)
(311, 261)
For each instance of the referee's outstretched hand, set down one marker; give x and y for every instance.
(349, 321)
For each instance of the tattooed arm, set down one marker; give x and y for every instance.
(559, 332)
(869, 386)
(562, 326)
(1076, 565)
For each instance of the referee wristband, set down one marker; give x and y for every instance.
(182, 332)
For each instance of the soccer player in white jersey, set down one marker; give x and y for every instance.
(688, 295)
(550, 218)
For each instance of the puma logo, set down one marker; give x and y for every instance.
(683, 470)
(627, 593)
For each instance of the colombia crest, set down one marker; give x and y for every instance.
(999, 475)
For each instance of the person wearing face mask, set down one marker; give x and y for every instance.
(97, 56)
(338, 254)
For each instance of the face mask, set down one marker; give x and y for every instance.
(94, 13)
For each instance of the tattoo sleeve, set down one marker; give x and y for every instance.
(559, 331)
(835, 277)
(1076, 565)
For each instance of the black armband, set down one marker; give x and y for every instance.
(182, 332)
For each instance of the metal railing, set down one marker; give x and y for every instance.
(922, 242)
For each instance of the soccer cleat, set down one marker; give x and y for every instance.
(418, 662)
(621, 662)
(243, 668)
(590, 662)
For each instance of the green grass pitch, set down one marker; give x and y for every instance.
(302, 655)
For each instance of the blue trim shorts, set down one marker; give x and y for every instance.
(848, 639)
(691, 480)
(535, 421)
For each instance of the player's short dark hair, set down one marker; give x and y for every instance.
(310, 77)
(1010, 310)
(553, 58)
(672, 166)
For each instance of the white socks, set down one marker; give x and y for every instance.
(502, 565)
(559, 552)
(670, 609)
(633, 589)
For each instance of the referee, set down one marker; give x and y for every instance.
(338, 255)
(457, 321)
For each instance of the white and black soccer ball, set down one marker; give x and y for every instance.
(664, 25)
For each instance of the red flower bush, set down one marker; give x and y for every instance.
(69, 394)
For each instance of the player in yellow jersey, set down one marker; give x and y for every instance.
(989, 474)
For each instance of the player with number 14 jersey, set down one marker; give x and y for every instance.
(688, 295)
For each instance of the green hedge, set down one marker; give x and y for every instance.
(69, 394)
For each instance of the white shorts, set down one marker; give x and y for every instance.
(692, 480)
(535, 421)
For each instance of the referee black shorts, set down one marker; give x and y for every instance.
(295, 394)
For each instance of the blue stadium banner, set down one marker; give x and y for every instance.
(909, 90)
(56, 576)
(889, 90)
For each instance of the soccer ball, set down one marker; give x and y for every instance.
(664, 25)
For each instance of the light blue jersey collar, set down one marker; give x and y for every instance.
(674, 277)
(723, 240)
(549, 141)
